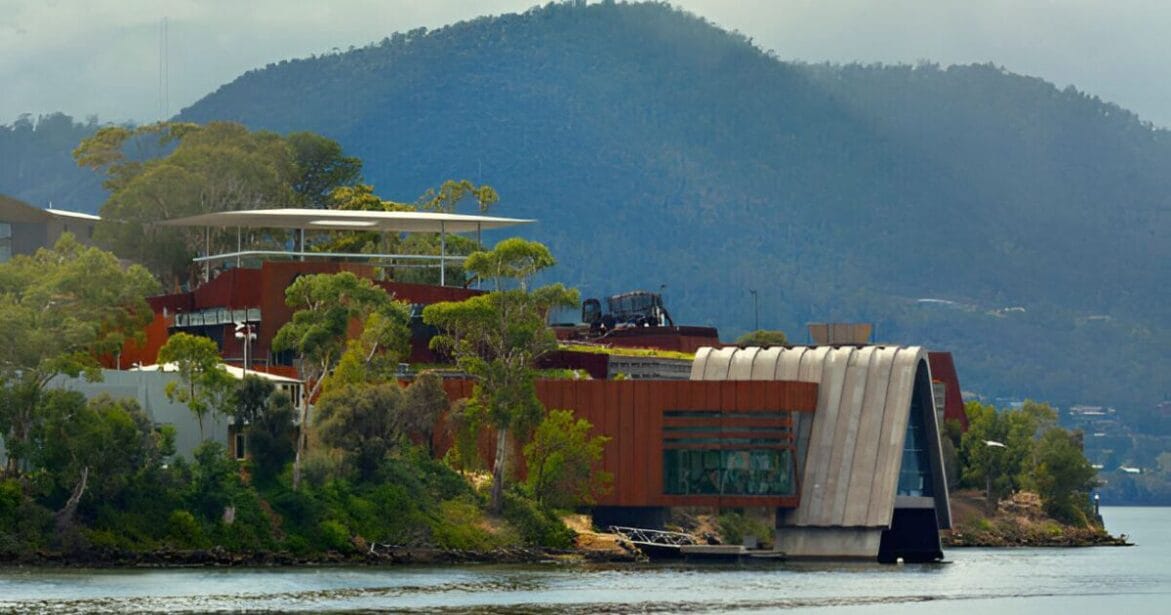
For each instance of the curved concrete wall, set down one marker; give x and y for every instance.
(852, 450)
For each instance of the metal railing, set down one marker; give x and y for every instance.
(638, 535)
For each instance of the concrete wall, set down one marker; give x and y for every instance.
(149, 390)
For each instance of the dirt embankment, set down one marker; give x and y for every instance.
(1018, 522)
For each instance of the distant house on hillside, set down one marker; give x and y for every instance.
(24, 228)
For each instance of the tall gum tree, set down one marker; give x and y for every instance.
(498, 337)
(326, 305)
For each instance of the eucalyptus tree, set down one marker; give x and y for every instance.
(61, 309)
(326, 305)
(204, 386)
(497, 338)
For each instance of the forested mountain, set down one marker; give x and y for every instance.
(656, 148)
(36, 165)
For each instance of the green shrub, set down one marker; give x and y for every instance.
(334, 535)
(537, 526)
(184, 531)
(461, 525)
(734, 526)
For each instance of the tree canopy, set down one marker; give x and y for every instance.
(204, 386)
(59, 310)
(173, 169)
(498, 337)
(326, 305)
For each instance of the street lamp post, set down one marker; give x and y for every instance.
(755, 311)
(244, 332)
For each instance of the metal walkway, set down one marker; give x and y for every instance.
(656, 538)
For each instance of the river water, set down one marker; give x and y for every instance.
(1108, 580)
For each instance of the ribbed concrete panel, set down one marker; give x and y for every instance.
(846, 432)
(869, 435)
(741, 367)
(700, 361)
(764, 365)
(789, 364)
(718, 362)
(819, 458)
(894, 429)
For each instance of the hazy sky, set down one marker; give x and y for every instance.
(101, 57)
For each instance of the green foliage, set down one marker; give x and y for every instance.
(1007, 450)
(183, 169)
(537, 525)
(498, 337)
(762, 337)
(335, 535)
(59, 310)
(464, 422)
(462, 525)
(562, 461)
(735, 526)
(184, 531)
(623, 351)
(320, 168)
(204, 386)
(325, 306)
(1064, 478)
(423, 405)
(272, 438)
(362, 422)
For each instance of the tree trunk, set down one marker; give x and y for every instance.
(498, 470)
(989, 502)
(303, 431)
(64, 517)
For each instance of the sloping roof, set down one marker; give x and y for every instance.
(346, 220)
(15, 210)
(850, 473)
(236, 372)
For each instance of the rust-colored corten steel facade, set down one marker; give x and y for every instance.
(262, 291)
(688, 443)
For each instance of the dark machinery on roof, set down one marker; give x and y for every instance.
(638, 308)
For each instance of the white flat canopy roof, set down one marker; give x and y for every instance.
(347, 220)
(236, 372)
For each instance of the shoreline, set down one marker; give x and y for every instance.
(221, 558)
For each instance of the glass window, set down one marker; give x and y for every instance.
(915, 473)
(766, 472)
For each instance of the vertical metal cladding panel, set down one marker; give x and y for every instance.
(869, 431)
(613, 411)
(894, 430)
(846, 432)
(660, 399)
(642, 437)
(629, 440)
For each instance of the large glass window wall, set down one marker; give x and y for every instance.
(765, 472)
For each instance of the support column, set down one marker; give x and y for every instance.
(442, 254)
(207, 252)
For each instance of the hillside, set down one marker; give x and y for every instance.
(655, 149)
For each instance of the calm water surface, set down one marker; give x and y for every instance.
(1112, 581)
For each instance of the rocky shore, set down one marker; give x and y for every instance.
(1017, 522)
